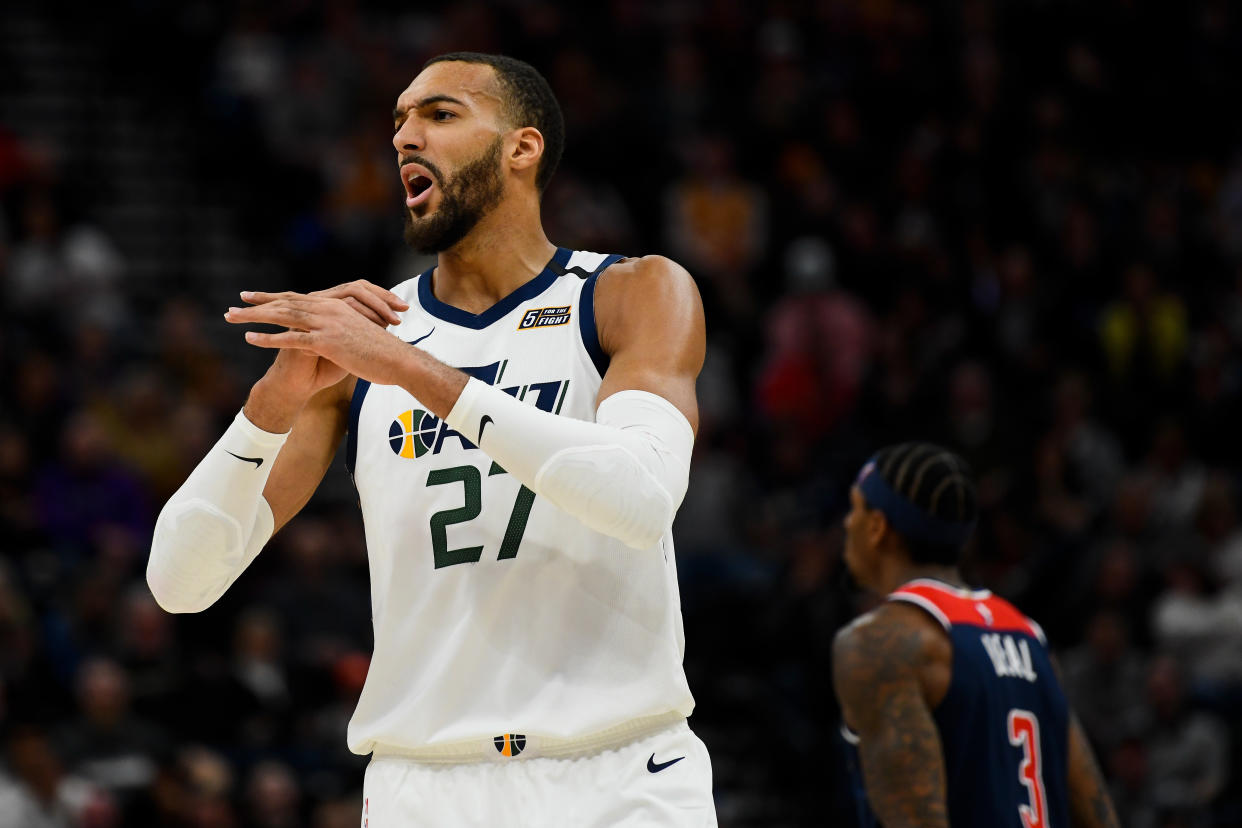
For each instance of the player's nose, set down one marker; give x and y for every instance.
(408, 137)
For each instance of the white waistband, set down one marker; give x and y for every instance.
(532, 745)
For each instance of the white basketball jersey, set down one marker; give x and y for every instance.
(495, 612)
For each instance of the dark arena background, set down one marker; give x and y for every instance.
(1013, 227)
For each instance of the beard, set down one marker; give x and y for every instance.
(465, 199)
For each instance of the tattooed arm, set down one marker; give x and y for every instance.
(878, 662)
(1090, 805)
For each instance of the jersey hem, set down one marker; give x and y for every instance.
(476, 750)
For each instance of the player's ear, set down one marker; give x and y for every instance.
(877, 525)
(527, 149)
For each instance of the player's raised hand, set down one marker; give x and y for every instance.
(370, 300)
(329, 328)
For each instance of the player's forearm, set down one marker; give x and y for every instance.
(216, 523)
(623, 475)
(904, 790)
(1090, 804)
(273, 407)
(436, 385)
(874, 670)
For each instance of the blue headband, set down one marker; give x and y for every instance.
(908, 519)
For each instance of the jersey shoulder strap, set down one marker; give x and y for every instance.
(958, 606)
(587, 266)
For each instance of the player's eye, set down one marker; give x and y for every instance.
(443, 115)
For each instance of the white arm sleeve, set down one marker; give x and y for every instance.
(623, 475)
(216, 523)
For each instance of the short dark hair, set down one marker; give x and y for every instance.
(936, 481)
(529, 102)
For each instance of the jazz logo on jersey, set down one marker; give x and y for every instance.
(544, 318)
(510, 744)
(1011, 659)
(413, 433)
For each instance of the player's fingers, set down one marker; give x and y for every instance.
(300, 340)
(373, 296)
(385, 302)
(387, 296)
(368, 312)
(359, 293)
(277, 312)
(334, 292)
(258, 297)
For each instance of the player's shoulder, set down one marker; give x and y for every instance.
(645, 287)
(953, 606)
(644, 276)
(649, 299)
(651, 266)
(892, 638)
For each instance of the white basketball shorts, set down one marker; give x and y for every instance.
(664, 779)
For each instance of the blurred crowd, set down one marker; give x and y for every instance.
(1014, 228)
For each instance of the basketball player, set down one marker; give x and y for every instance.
(949, 693)
(519, 427)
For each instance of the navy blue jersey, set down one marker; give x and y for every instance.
(1004, 723)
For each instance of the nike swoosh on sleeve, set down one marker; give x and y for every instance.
(258, 461)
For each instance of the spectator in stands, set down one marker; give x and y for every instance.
(273, 797)
(87, 492)
(39, 794)
(106, 743)
(1104, 680)
(1188, 750)
(1024, 262)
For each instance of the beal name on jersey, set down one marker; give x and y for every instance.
(1012, 659)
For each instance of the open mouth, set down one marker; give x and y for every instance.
(418, 184)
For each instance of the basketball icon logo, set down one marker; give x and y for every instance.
(510, 744)
(413, 433)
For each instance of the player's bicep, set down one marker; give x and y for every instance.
(875, 672)
(308, 452)
(650, 321)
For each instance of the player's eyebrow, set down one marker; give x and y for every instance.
(398, 113)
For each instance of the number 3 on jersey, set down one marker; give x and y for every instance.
(1023, 729)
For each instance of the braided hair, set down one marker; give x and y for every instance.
(939, 485)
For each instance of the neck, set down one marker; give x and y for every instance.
(504, 251)
(904, 571)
